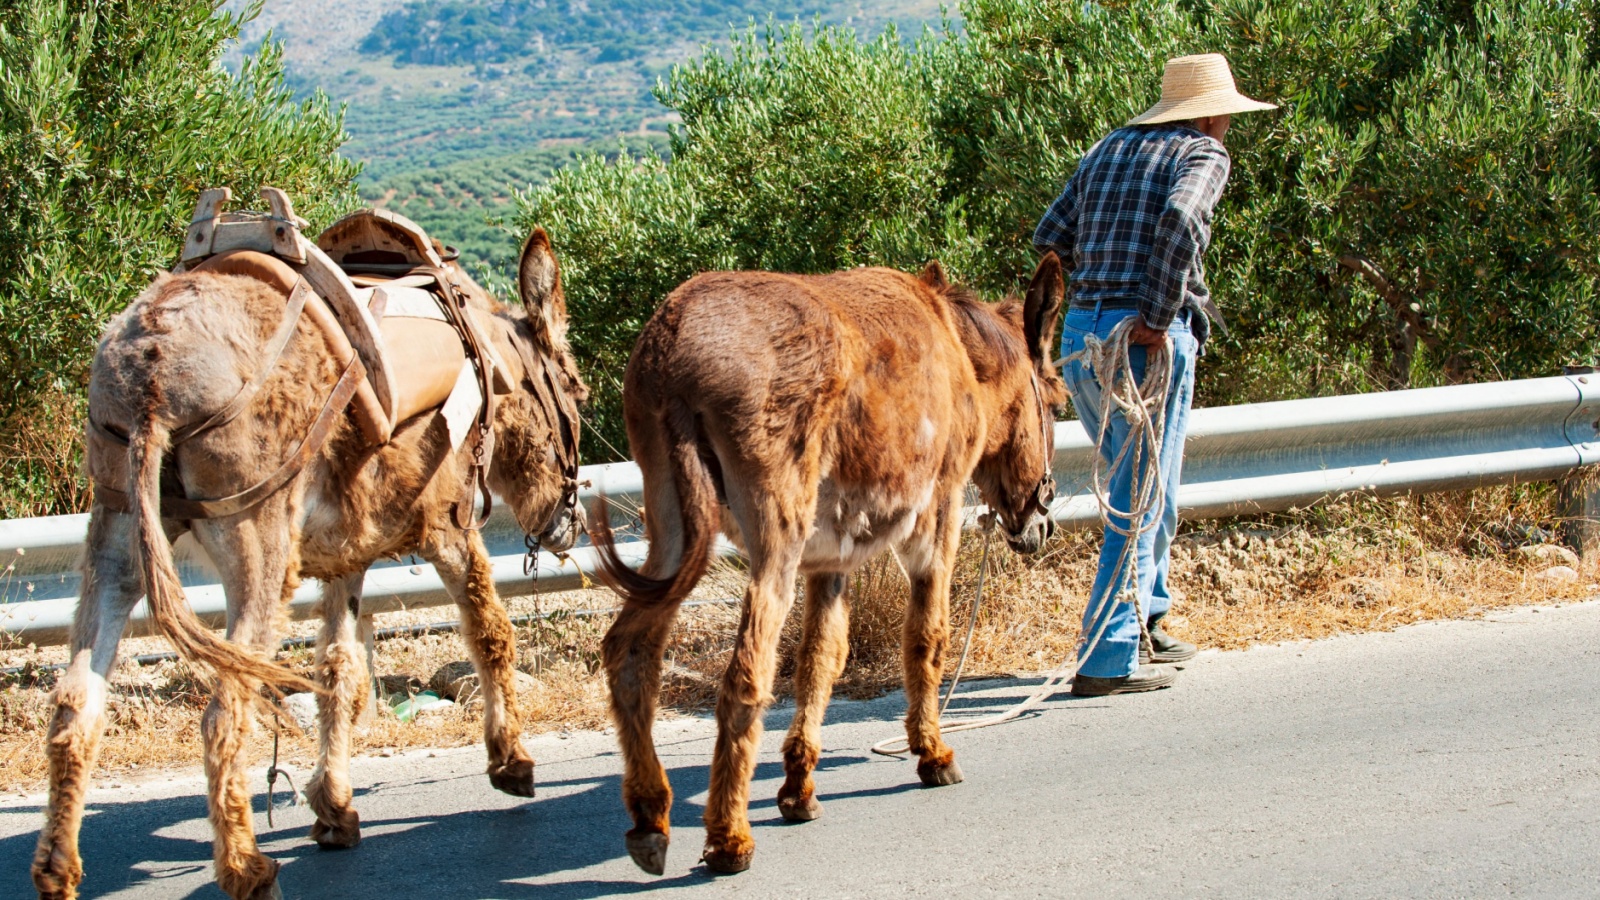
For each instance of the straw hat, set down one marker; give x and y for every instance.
(1193, 87)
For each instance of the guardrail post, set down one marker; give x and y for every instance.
(366, 632)
(1579, 501)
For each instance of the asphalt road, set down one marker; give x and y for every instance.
(1444, 760)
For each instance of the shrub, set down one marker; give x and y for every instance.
(112, 117)
(1419, 211)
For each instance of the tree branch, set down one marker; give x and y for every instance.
(1408, 311)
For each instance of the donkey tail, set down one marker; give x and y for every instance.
(691, 534)
(168, 606)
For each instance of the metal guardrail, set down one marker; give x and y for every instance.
(1238, 460)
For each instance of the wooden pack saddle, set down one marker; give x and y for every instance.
(378, 288)
(385, 284)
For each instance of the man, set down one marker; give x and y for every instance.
(1133, 224)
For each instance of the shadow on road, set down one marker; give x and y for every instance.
(573, 826)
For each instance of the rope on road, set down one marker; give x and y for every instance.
(1144, 407)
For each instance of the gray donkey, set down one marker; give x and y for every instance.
(187, 349)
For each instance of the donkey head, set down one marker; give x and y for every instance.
(1025, 391)
(536, 427)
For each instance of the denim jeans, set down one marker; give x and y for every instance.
(1117, 653)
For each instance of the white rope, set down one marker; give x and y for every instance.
(1144, 406)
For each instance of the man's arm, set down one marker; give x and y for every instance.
(1182, 232)
(1058, 230)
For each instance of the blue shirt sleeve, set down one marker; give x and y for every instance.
(1058, 230)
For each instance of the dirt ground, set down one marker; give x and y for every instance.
(1355, 564)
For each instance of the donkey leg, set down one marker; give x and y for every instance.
(632, 650)
(256, 556)
(111, 587)
(824, 644)
(745, 694)
(923, 643)
(463, 565)
(342, 671)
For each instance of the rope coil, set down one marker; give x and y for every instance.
(1143, 405)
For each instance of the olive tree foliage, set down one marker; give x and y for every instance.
(1422, 209)
(112, 117)
(794, 154)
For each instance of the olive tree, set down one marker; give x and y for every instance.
(112, 117)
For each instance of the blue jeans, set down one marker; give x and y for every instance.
(1117, 653)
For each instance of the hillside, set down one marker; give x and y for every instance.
(454, 104)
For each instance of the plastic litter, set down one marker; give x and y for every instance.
(407, 708)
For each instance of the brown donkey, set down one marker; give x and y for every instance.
(179, 353)
(831, 417)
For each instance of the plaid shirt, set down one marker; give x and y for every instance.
(1135, 220)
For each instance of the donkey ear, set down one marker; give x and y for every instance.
(1042, 310)
(933, 276)
(539, 283)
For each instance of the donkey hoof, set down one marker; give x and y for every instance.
(649, 851)
(934, 775)
(268, 891)
(514, 778)
(800, 809)
(728, 862)
(341, 836)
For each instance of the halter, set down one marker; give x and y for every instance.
(1045, 491)
(560, 414)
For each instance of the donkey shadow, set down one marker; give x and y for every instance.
(574, 824)
(577, 824)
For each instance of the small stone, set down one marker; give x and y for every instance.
(432, 708)
(449, 676)
(459, 682)
(1558, 573)
(405, 685)
(1361, 591)
(303, 709)
(1550, 553)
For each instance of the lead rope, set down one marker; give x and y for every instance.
(1144, 406)
(273, 773)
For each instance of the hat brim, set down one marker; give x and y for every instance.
(1221, 103)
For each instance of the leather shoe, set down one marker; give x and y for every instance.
(1165, 648)
(1144, 678)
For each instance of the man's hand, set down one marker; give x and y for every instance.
(1145, 336)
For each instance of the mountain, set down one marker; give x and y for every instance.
(454, 104)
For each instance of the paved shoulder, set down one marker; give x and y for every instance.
(1452, 759)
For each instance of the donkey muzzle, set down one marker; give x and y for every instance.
(1037, 525)
(564, 529)
(1032, 536)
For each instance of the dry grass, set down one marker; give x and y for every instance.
(1356, 564)
(40, 450)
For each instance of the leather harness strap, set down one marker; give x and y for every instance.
(176, 506)
(275, 347)
(179, 507)
(483, 437)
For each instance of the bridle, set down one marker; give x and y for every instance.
(560, 414)
(1044, 492)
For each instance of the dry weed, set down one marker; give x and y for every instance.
(1354, 564)
(40, 453)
